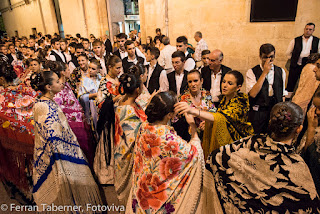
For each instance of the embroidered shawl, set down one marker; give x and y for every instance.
(61, 174)
(259, 175)
(17, 137)
(108, 88)
(76, 119)
(128, 119)
(230, 123)
(167, 172)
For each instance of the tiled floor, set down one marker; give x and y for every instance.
(109, 192)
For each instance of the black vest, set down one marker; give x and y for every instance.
(74, 60)
(58, 58)
(206, 75)
(126, 65)
(154, 79)
(298, 48)
(117, 53)
(262, 99)
(173, 84)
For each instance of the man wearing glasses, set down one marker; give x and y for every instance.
(265, 87)
(213, 74)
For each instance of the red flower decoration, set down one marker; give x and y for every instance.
(172, 146)
(193, 152)
(149, 127)
(151, 192)
(169, 167)
(150, 145)
(118, 132)
(138, 163)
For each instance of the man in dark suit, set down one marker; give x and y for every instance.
(153, 69)
(213, 74)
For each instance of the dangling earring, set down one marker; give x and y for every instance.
(51, 93)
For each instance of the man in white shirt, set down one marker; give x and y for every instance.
(132, 58)
(201, 45)
(164, 59)
(265, 87)
(213, 75)
(56, 54)
(204, 59)
(100, 54)
(298, 51)
(182, 45)
(121, 52)
(153, 69)
(64, 49)
(175, 81)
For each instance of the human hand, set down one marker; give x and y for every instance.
(182, 108)
(312, 118)
(267, 66)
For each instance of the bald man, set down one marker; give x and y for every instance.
(213, 74)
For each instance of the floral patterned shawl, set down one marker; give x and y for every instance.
(167, 173)
(206, 103)
(61, 174)
(128, 119)
(108, 88)
(230, 123)
(17, 136)
(76, 119)
(259, 175)
(75, 79)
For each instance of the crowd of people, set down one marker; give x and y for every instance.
(168, 126)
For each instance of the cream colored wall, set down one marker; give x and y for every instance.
(226, 25)
(26, 17)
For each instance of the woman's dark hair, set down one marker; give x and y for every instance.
(96, 62)
(129, 82)
(137, 69)
(237, 75)
(84, 55)
(285, 118)
(55, 66)
(40, 80)
(113, 60)
(6, 71)
(161, 105)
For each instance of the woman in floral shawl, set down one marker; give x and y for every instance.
(128, 118)
(74, 112)
(197, 98)
(264, 173)
(61, 175)
(167, 173)
(16, 135)
(230, 122)
(109, 85)
(78, 73)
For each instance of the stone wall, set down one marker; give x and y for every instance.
(226, 25)
(78, 16)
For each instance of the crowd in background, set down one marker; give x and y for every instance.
(167, 125)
